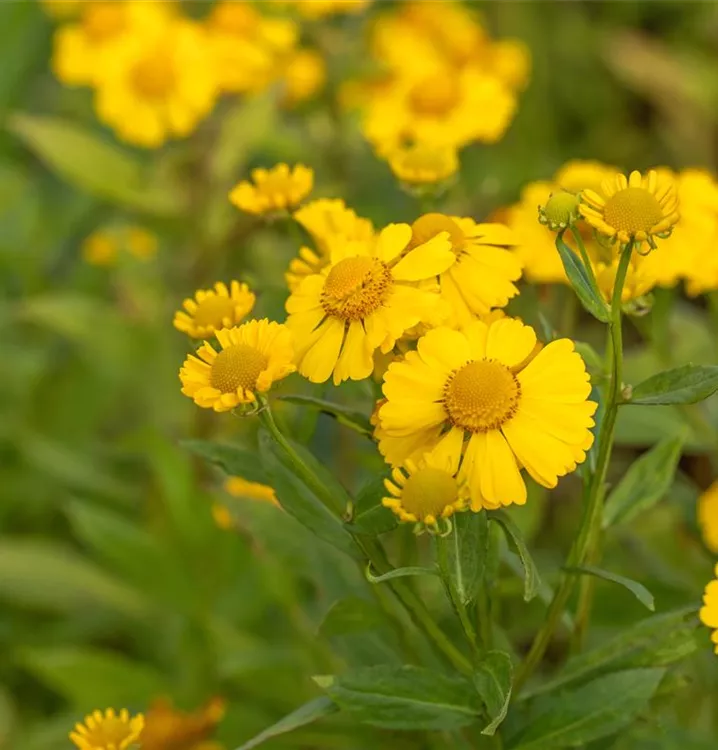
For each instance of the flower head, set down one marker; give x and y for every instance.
(364, 300)
(490, 397)
(251, 358)
(212, 309)
(423, 163)
(709, 612)
(560, 210)
(108, 730)
(167, 727)
(708, 517)
(636, 209)
(240, 487)
(272, 190)
(103, 247)
(100, 249)
(317, 9)
(305, 75)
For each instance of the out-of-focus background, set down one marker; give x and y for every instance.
(128, 573)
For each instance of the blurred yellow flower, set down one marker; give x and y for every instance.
(638, 280)
(363, 301)
(108, 730)
(213, 309)
(272, 190)
(252, 357)
(316, 9)
(329, 219)
(423, 163)
(61, 10)
(100, 249)
(103, 247)
(141, 243)
(168, 728)
(636, 209)
(517, 407)
(305, 75)
(222, 517)
(160, 84)
(709, 612)
(240, 487)
(708, 517)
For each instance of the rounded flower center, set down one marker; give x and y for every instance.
(154, 76)
(355, 287)
(633, 209)
(212, 310)
(428, 491)
(435, 95)
(481, 395)
(238, 366)
(560, 208)
(426, 227)
(102, 21)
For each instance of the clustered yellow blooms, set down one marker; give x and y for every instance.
(104, 246)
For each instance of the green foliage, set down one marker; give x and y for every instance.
(637, 589)
(493, 678)
(532, 582)
(682, 385)
(582, 281)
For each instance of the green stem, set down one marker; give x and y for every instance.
(584, 257)
(591, 521)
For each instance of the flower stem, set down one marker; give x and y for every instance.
(591, 522)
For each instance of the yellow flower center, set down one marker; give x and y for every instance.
(238, 366)
(428, 492)
(154, 75)
(481, 395)
(102, 21)
(212, 310)
(435, 96)
(426, 227)
(355, 287)
(632, 210)
(560, 208)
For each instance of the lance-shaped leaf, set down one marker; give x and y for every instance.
(468, 546)
(345, 415)
(532, 581)
(582, 282)
(232, 459)
(682, 385)
(637, 589)
(493, 678)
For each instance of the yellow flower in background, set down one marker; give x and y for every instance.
(636, 209)
(484, 270)
(363, 301)
(108, 730)
(485, 395)
(240, 487)
(317, 9)
(638, 282)
(141, 243)
(305, 76)
(428, 489)
(213, 309)
(222, 517)
(252, 357)
(160, 84)
(168, 728)
(709, 612)
(272, 190)
(329, 219)
(100, 249)
(708, 517)
(423, 163)
(103, 247)
(61, 10)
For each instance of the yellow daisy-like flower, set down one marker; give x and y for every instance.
(709, 611)
(141, 243)
(108, 730)
(212, 309)
(271, 190)
(636, 209)
(708, 517)
(167, 727)
(305, 76)
(423, 163)
(484, 394)
(160, 84)
(240, 487)
(363, 301)
(252, 357)
(427, 489)
(484, 269)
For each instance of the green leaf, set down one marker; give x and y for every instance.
(645, 483)
(468, 547)
(532, 581)
(400, 573)
(682, 385)
(232, 459)
(370, 516)
(94, 166)
(306, 714)
(350, 615)
(582, 282)
(299, 501)
(345, 415)
(493, 679)
(405, 697)
(598, 709)
(637, 589)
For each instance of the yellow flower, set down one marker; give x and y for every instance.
(316, 9)
(708, 517)
(141, 243)
(638, 281)
(212, 309)
(222, 517)
(427, 489)
(709, 611)
(252, 357)
(108, 730)
(61, 10)
(484, 270)
(167, 728)
(240, 487)
(423, 163)
(160, 84)
(275, 189)
(485, 395)
(363, 301)
(305, 76)
(100, 249)
(636, 209)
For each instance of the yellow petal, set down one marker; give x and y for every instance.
(510, 341)
(430, 259)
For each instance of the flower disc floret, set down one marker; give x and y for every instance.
(356, 287)
(108, 730)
